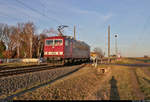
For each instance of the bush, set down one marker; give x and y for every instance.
(145, 56)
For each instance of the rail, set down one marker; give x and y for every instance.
(6, 73)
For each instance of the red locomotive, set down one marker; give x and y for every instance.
(66, 49)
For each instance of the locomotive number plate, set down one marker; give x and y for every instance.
(52, 53)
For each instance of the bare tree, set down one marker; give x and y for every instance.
(15, 38)
(2, 48)
(21, 39)
(99, 53)
(4, 33)
(29, 30)
(50, 32)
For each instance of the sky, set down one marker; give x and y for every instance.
(130, 19)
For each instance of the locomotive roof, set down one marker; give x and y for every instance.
(69, 37)
(60, 37)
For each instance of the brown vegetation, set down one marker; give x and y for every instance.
(21, 41)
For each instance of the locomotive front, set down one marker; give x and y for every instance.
(54, 48)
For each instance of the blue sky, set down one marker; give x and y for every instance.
(129, 18)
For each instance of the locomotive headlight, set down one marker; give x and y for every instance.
(60, 53)
(45, 53)
(49, 53)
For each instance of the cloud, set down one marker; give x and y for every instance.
(107, 17)
(95, 14)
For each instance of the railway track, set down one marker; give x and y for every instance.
(22, 70)
(2, 68)
(15, 71)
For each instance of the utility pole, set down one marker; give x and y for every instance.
(74, 32)
(105, 43)
(108, 43)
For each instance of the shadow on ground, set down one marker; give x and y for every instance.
(114, 95)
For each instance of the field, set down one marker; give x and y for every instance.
(126, 79)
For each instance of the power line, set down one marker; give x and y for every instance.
(25, 5)
(47, 9)
(13, 18)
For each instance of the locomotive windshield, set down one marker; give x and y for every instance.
(58, 42)
(49, 42)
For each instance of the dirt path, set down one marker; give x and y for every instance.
(97, 94)
(135, 85)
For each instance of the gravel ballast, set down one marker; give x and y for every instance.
(11, 84)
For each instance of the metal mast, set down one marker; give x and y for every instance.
(116, 48)
(109, 43)
(74, 32)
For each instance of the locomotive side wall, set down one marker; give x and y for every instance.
(76, 49)
(80, 50)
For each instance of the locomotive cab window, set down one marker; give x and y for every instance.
(49, 42)
(58, 42)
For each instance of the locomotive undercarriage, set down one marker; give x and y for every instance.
(58, 60)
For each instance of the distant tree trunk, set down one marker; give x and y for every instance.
(38, 50)
(101, 60)
(18, 52)
(31, 46)
(25, 54)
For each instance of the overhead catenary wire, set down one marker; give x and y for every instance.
(35, 10)
(13, 18)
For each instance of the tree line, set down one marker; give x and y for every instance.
(21, 41)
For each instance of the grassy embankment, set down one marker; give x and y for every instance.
(87, 84)
(79, 85)
(123, 83)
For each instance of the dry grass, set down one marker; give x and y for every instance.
(87, 82)
(122, 89)
(122, 75)
(126, 61)
(76, 86)
(144, 81)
